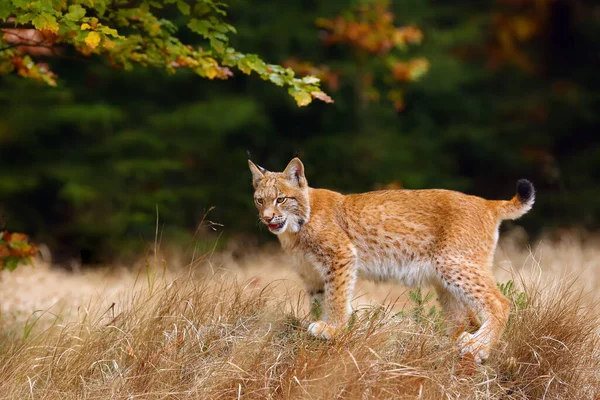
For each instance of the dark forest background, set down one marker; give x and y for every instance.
(512, 90)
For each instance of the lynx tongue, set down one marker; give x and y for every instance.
(275, 226)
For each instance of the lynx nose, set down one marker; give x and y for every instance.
(268, 218)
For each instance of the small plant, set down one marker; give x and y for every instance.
(15, 250)
(420, 312)
(518, 299)
(316, 308)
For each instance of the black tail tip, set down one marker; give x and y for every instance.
(525, 190)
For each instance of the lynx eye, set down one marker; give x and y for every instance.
(259, 201)
(281, 200)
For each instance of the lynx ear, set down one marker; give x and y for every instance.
(294, 172)
(258, 173)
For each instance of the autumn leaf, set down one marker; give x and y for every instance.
(108, 44)
(322, 96)
(92, 39)
(14, 237)
(369, 30)
(14, 250)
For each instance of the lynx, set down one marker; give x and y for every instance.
(440, 238)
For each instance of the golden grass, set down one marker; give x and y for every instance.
(215, 334)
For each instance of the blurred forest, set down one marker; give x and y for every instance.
(483, 93)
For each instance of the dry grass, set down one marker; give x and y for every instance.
(197, 333)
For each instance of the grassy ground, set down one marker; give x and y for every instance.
(236, 329)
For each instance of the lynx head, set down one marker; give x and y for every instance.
(281, 197)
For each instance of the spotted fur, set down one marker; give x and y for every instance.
(441, 238)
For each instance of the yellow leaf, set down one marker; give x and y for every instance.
(92, 39)
(302, 98)
(211, 73)
(85, 26)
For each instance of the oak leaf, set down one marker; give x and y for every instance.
(92, 39)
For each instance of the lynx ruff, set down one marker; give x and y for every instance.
(441, 238)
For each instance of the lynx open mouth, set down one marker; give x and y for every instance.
(276, 227)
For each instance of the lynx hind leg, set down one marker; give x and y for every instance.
(457, 315)
(475, 286)
(494, 312)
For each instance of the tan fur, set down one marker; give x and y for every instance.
(441, 238)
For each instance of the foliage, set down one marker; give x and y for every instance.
(518, 298)
(15, 250)
(134, 32)
(376, 44)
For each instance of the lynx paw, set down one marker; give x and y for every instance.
(321, 329)
(471, 344)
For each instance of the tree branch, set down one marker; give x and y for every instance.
(12, 46)
(13, 25)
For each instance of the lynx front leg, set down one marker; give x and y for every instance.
(339, 288)
(314, 286)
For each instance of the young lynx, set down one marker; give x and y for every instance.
(435, 237)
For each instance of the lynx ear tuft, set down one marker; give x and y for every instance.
(258, 173)
(261, 169)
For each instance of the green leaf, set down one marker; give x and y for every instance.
(200, 26)
(76, 12)
(21, 3)
(278, 80)
(6, 9)
(243, 66)
(183, 7)
(217, 45)
(24, 18)
(46, 6)
(230, 28)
